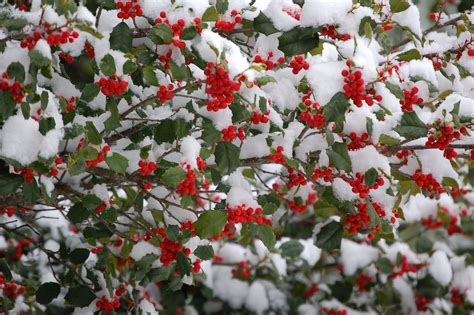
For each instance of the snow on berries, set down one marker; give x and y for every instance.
(129, 9)
(410, 98)
(112, 86)
(354, 87)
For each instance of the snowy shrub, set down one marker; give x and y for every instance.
(236, 157)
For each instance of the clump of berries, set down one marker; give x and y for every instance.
(219, 87)
(358, 142)
(244, 214)
(53, 36)
(227, 26)
(146, 168)
(331, 32)
(427, 182)
(258, 118)
(228, 134)
(165, 93)
(313, 115)
(170, 249)
(270, 65)
(298, 63)
(354, 87)
(112, 85)
(13, 87)
(359, 187)
(100, 157)
(177, 29)
(410, 98)
(129, 9)
(277, 157)
(242, 271)
(188, 185)
(108, 305)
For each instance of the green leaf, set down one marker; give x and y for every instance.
(336, 108)
(92, 134)
(78, 213)
(10, 184)
(374, 217)
(384, 139)
(31, 191)
(80, 296)
(340, 157)
(385, 265)
(341, 290)
(423, 244)
(189, 33)
(409, 55)
(113, 121)
(222, 6)
(266, 79)
(117, 163)
(266, 235)
(262, 24)
(210, 15)
(181, 73)
(38, 59)
(371, 177)
(90, 91)
(47, 292)
(173, 176)
(411, 127)
(121, 37)
(395, 90)
(79, 256)
(330, 236)
(298, 41)
(227, 157)
(16, 71)
(292, 248)
(210, 223)
(129, 67)
(184, 265)
(5, 269)
(204, 252)
(150, 76)
(107, 65)
(161, 34)
(368, 31)
(46, 124)
(8, 104)
(399, 5)
(450, 182)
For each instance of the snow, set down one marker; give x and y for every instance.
(323, 81)
(409, 18)
(22, 141)
(190, 149)
(43, 48)
(257, 300)
(254, 147)
(367, 158)
(281, 20)
(355, 256)
(143, 248)
(440, 268)
(320, 12)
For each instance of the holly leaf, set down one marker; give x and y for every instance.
(47, 292)
(330, 236)
(227, 157)
(121, 37)
(80, 296)
(210, 223)
(173, 176)
(411, 127)
(117, 163)
(298, 41)
(339, 156)
(262, 24)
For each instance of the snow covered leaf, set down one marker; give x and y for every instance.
(330, 236)
(121, 37)
(298, 41)
(210, 223)
(409, 55)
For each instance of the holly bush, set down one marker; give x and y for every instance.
(236, 157)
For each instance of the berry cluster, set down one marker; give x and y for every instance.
(313, 115)
(66, 57)
(359, 187)
(220, 87)
(10, 289)
(298, 63)
(457, 297)
(14, 88)
(258, 118)
(403, 155)
(112, 85)
(54, 37)
(311, 290)
(297, 206)
(277, 157)
(243, 270)
(170, 249)
(188, 185)
(177, 29)
(188, 225)
(9, 211)
(358, 142)
(244, 214)
(427, 182)
(361, 220)
(410, 98)
(295, 178)
(422, 302)
(26, 173)
(100, 157)
(146, 168)
(71, 104)
(197, 266)
(165, 93)
(227, 26)
(129, 9)
(354, 87)
(333, 311)
(270, 65)
(97, 250)
(106, 305)
(330, 31)
(293, 12)
(89, 50)
(15, 249)
(228, 134)
(443, 138)
(470, 52)
(405, 268)
(362, 280)
(326, 174)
